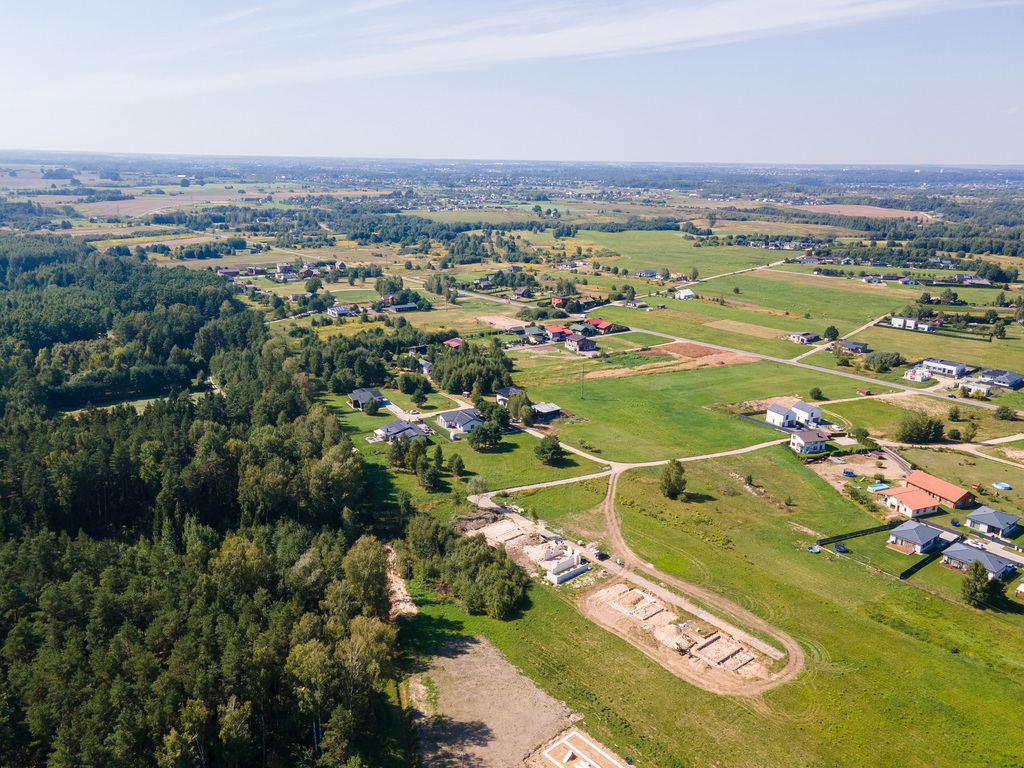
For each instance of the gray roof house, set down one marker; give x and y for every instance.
(960, 556)
(919, 537)
(461, 421)
(505, 393)
(546, 411)
(1001, 378)
(396, 430)
(361, 397)
(780, 416)
(854, 347)
(988, 520)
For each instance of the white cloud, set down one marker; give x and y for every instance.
(279, 44)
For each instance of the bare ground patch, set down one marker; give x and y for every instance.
(472, 707)
(862, 210)
(401, 601)
(862, 466)
(504, 322)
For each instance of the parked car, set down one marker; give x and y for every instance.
(975, 543)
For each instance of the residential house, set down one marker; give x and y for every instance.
(944, 367)
(647, 274)
(410, 307)
(780, 416)
(484, 285)
(890, 278)
(339, 265)
(577, 342)
(545, 411)
(873, 280)
(684, 294)
(361, 397)
(425, 366)
(908, 323)
(809, 441)
(864, 392)
(397, 430)
(586, 302)
(307, 272)
(602, 326)
(419, 349)
(853, 347)
(1001, 378)
(908, 281)
(584, 329)
(636, 304)
(287, 277)
(339, 310)
(915, 537)
(909, 502)
(284, 266)
(559, 301)
(534, 335)
(944, 492)
(522, 292)
(960, 557)
(389, 299)
(454, 343)
(806, 259)
(977, 388)
(460, 422)
(917, 374)
(514, 269)
(988, 520)
(556, 332)
(257, 270)
(504, 394)
(804, 337)
(229, 272)
(805, 414)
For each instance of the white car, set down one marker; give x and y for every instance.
(975, 543)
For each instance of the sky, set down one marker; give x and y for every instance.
(735, 81)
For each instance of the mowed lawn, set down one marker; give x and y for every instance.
(661, 416)
(963, 469)
(700, 322)
(846, 304)
(669, 250)
(999, 353)
(882, 683)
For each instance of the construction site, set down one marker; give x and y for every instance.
(685, 644)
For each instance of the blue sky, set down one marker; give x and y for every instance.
(746, 81)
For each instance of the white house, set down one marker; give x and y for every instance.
(339, 310)
(976, 387)
(805, 414)
(917, 374)
(808, 441)
(910, 502)
(780, 416)
(1001, 378)
(988, 520)
(944, 367)
(684, 293)
(804, 337)
(910, 323)
(460, 422)
(918, 537)
(960, 556)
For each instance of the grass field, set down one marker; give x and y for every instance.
(856, 626)
(620, 342)
(881, 418)
(659, 416)
(668, 250)
(917, 346)
(694, 324)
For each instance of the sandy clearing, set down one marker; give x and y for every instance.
(749, 329)
(471, 700)
(401, 601)
(862, 465)
(500, 321)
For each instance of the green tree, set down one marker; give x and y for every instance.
(918, 427)
(549, 451)
(456, 466)
(831, 333)
(817, 394)
(969, 432)
(484, 436)
(476, 485)
(673, 482)
(438, 458)
(429, 477)
(976, 589)
(954, 412)
(1004, 413)
(372, 407)
(314, 284)
(366, 577)
(694, 274)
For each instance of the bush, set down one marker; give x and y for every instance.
(673, 483)
(1004, 413)
(817, 394)
(917, 427)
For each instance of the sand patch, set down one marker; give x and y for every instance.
(501, 321)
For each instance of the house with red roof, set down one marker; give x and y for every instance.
(940, 490)
(556, 332)
(454, 343)
(909, 501)
(602, 326)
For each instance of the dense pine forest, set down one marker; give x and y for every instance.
(202, 582)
